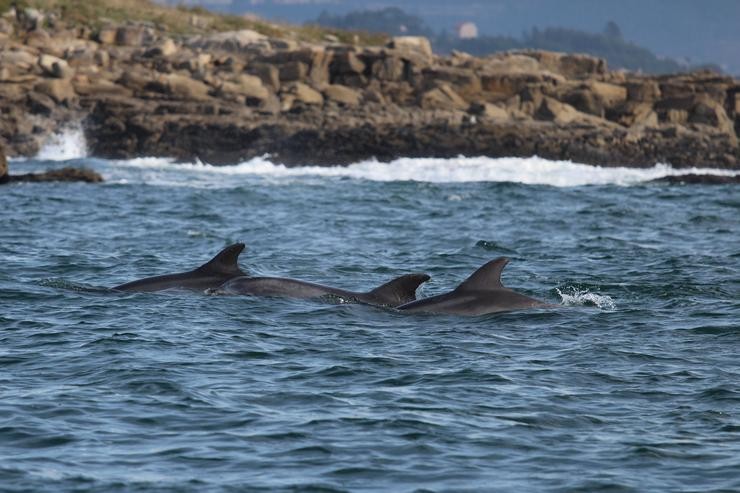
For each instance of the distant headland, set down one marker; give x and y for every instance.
(148, 80)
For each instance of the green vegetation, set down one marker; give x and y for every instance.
(179, 20)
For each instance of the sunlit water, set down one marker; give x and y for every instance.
(632, 384)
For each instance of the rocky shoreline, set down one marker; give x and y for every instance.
(223, 98)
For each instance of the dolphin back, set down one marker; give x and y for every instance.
(396, 292)
(211, 274)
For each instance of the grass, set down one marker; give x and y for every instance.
(181, 20)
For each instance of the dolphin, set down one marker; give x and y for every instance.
(393, 293)
(212, 274)
(479, 294)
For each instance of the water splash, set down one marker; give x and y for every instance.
(65, 145)
(531, 171)
(582, 297)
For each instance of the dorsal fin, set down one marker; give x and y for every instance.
(225, 262)
(400, 290)
(487, 277)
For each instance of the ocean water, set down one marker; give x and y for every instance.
(631, 384)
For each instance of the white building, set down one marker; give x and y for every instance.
(467, 30)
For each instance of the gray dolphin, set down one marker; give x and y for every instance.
(479, 294)
(212, 274)
(393, 293)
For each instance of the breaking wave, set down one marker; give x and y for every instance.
(66, 145)
(531, 171)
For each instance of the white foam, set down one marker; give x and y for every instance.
(68, 144)
(532, 171)
(582, 297)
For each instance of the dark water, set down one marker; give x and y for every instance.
(633, 385)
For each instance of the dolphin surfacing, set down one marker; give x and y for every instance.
(212, 274)
(393, 293)
(479, 294)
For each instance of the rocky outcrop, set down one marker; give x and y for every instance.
(230, 96)
(695, 179)
(62, 174)
(3, 166)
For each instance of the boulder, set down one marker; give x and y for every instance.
(555, 111)
(62, 174)
(342, 95)
(462, 79)
(442, 97)
(511, 63)
(293, 71)
(268, 74)
(231, 41)
(55, 67)
(164, 48)
(305, 94)
(248, 86)
(570, 66)
(417, 46)
(706, 111)
(387, 68)
(183, 87)
(3, 165)
(489, 111)
(106, 35)
(60, 90)
(505, 85)
(133, 35)
(18, 60)
(645, 90)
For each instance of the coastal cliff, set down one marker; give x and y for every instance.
(140, 89)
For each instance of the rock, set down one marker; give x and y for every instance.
(3, 165)
(464, 80)
(55, 67)
(508, 63)
(29, 18)
(6, 27)
(417, 45)
(505, 85)
(19, 60)
(570, 66)
(696, 179)
(293, 71)
(342, 95)
(183, 87)
(708, 112)
(442, 98)
(60, 90)
(106, 35)
(231, 41)
(561, 113)
(268, 74)
(102, 58)
(610, 94)
(62, 174)
(634, 114)
(248, 86)
(388, 68)
(38, 38)
(305, 94)
(346, 63)
(40, 104)
(132, 35)
(488, 110)
(647, 91)
(164, 48)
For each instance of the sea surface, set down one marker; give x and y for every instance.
(631, 384)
